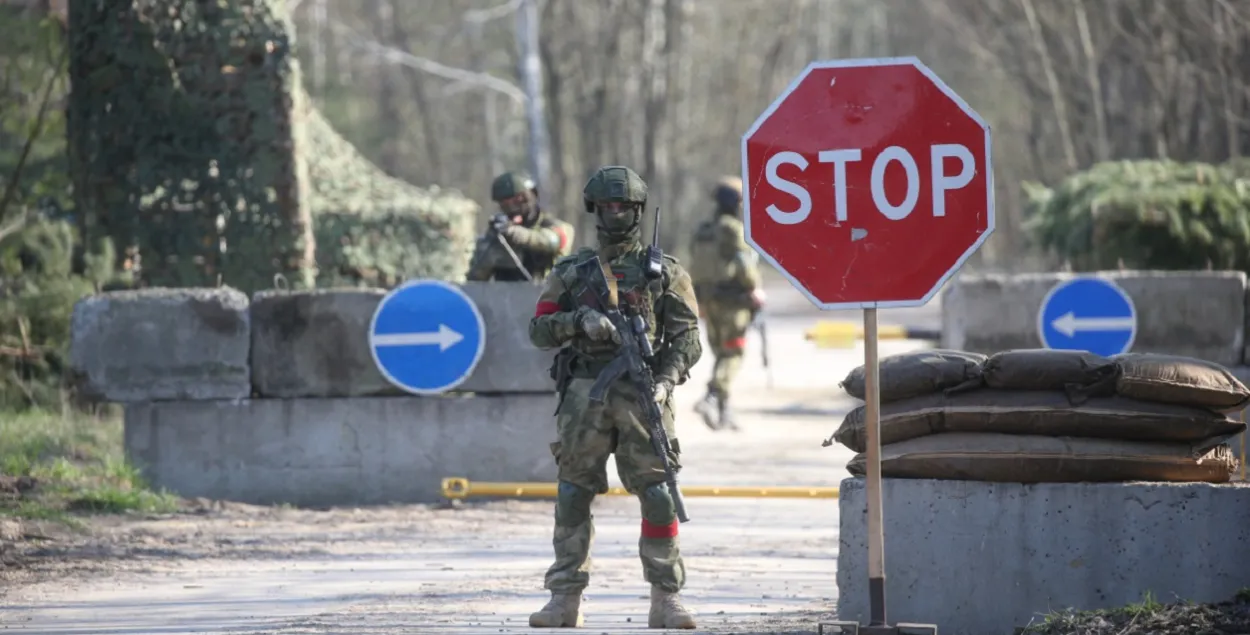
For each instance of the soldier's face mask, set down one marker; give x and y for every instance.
(617, 217)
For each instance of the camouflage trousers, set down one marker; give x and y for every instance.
(726, 334)
(588, 434)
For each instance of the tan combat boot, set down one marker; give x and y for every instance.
(667, 611)
(561, 611)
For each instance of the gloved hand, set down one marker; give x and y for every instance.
(515, 234)
(662, 391)
(597, 326)
(499, 223)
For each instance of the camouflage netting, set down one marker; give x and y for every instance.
(376, 230)
(188, 143)
(1147, 215)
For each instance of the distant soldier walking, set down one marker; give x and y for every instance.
(725, 273)
(522, 243)
(588, 430)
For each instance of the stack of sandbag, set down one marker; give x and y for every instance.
(1041, 415)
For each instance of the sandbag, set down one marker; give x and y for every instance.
(1179, 380)
(1080, 374)
(1039, 413)
(919, 373)
(1011, 458)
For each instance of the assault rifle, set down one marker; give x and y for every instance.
(497, 224)
(632, 356)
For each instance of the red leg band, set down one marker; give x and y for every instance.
(652, 530)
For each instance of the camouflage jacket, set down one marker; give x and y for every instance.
(538, 248)
(723, 269)
(668, 305)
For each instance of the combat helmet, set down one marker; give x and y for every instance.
(728, 193)
(517, 194)
(510, 184)
(614, 183)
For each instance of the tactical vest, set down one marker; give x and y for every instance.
(714, 248)
(636, 295)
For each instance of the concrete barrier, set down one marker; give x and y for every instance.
(279, 400)
(157, 344)
(316, 343)
(349, 451)
(1024, 550)
(1199, 314)
(511, 363)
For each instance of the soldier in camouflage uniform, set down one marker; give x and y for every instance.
(537, 239)
(726, 277)
(588, 433)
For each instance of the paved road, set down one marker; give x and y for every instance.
(754, 565)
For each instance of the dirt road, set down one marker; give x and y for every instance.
(754, 565)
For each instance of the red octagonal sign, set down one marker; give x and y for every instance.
(868, 183)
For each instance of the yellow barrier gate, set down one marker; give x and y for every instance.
(829, 334)
(456, 488)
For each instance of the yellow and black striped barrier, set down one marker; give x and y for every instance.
(828, 334)
(456, 488)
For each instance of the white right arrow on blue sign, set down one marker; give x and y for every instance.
(446, 337)
(1088, 314)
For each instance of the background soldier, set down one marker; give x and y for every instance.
(726, 278)
(535, 238)
(588, 433)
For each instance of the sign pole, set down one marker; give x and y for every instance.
(872, 424)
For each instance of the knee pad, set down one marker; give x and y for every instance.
(572, 504)
(657, 505)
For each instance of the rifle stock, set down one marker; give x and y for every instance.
(497, 224)
(630, 363)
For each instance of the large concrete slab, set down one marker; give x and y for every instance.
(984, 558)
(162, 344)
(511, 363)
(316, 343)
(350, 451)
(1199, 314)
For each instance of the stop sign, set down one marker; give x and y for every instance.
(867, 183)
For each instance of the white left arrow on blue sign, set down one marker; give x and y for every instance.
(427, 336)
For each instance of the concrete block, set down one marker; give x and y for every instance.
(984, 558)
(1198, 314)
(162, 344)
(1245, 354)
(316, 343)
(510, 363)
(350, 451)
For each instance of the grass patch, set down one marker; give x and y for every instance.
(54, 466)
(1151, 617)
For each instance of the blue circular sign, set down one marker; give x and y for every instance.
(427, 336)
(1088, 314)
